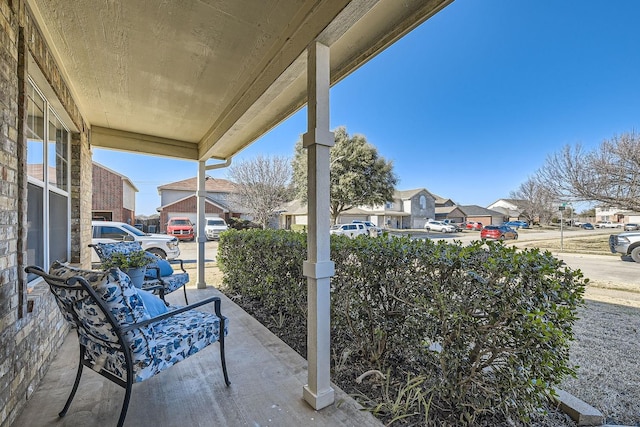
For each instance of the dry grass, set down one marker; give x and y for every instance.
(597, 245)
(212, 274)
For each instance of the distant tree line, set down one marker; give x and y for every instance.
(608, 174)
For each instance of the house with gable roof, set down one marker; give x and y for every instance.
(479, 214)
(179, 199)
(512, 209)
(408, 209)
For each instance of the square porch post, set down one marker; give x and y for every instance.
(200, 236)
(318, 268)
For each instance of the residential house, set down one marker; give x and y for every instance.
(114, 196)
(442, 202)
(293, 214)
(447, 209)
(512, 209)
(186, 90)
(408, 209)
(419, 204)
(479, 214)
(179, 199)
(453, 213)
(616, 214)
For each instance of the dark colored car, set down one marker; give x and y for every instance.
(498, 232)
(587, 226)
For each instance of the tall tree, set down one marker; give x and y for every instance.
(609, 174)
(263, 185)
(358, 174)
(537, 200)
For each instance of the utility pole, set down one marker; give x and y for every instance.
(561, 208)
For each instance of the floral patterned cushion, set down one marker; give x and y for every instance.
(106, 250)
(169, 283)
(95, 332)
(153, 348)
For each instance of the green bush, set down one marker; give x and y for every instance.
(266, 266)
(483, 329)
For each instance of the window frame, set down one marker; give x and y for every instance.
(46, 186)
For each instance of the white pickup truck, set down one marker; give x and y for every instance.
(626, 244)
(608, 224)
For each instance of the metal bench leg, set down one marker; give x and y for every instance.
(224, 362)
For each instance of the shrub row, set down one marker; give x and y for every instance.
(466, 333)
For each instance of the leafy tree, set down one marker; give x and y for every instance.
(609, 174)
(359, 175)
(264, 185)
(537, 201)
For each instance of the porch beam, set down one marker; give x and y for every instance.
(142, 144)
(318, 268)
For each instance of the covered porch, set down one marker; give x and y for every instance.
(196, 81)
(266, 379)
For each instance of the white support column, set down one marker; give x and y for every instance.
(318, 268)
(200, 236)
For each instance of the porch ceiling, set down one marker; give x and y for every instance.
(205, 78)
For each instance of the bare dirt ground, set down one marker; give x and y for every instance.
(606, 348)
(607, 345)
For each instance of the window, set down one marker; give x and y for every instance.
(48, 196)
(423, 202)
(389, 205)
(108, 232)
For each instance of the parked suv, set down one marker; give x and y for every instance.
(213, 227)
(626, 244)
(349, 230)
(181, 227)
(109, 231)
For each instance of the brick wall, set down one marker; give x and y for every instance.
(31, 327)
(109, 198)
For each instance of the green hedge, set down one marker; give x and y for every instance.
(473, 332)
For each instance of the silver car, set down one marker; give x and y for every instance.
(439, 226)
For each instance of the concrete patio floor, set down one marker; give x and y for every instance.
(266, 376)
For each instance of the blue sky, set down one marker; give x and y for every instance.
(471, 103)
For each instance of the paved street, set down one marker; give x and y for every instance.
(615, 279)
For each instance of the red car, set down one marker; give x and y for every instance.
(473, 225)
(498, 232)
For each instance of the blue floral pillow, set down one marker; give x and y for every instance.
(165, 269)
